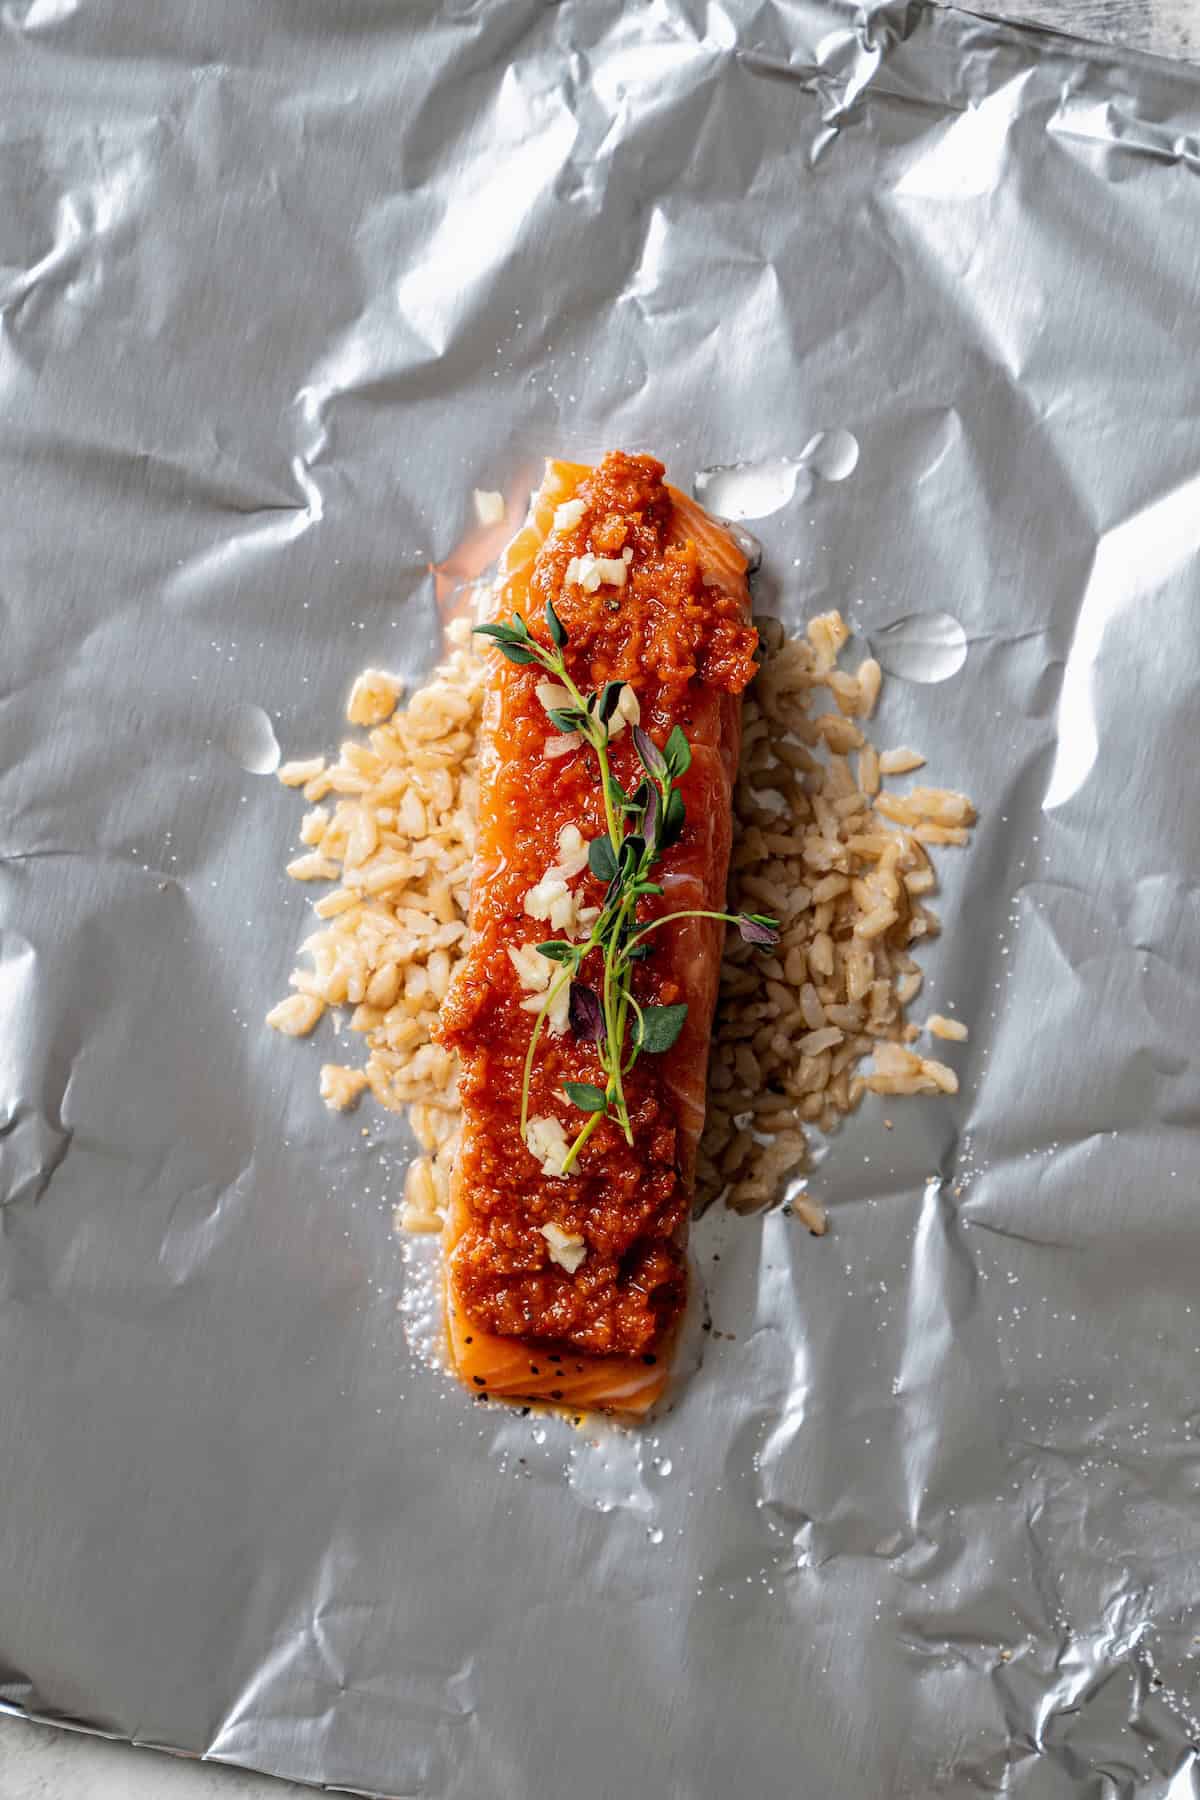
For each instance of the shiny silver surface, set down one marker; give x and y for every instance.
(278, 288)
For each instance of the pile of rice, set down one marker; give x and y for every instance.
(845, 869)
(843, 866)
(397, 840)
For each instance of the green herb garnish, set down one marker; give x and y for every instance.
(640, 826)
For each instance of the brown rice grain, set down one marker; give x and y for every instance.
(940, 1026)
(899, 762)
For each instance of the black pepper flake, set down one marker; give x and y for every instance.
(649, 1360)
(553, 1356)
(479, 1380)
(469, 1340)
(525, 1411)
(533, 1369)
(556, 1393)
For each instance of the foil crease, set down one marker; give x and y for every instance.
(279, 286)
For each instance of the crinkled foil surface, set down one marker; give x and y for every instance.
(279, 285)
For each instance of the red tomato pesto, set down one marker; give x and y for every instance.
(688, 650)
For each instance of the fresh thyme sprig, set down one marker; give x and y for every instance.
(640, 827)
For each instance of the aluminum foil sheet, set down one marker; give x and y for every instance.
(279, 286)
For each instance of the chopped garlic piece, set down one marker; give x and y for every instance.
(295, 774)
(561, 744)
(552, 900)
(572, 853)
(553, 694)
(590, 571)
(568, 515)
(373, 697)
(559, 1015)
(489, 507)
(628, 712)
(535, 973)
(566, 1249)
(548, 1144)
(943, 1027)
(296, 1015)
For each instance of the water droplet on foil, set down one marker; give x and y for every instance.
(747, 490)
(925, 647)
(655, 1534)
(753, 490)
(249, 737)
(833, 455)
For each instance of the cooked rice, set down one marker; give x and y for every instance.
(814, 846)
(399, 842)
(940, 1026)
(840, 865)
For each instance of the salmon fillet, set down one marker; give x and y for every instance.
(593, 1329)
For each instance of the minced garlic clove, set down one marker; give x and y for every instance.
(552, 694)
(590, 572)
(489, 506)
(566, 1248)
(548, 1144)
(628, 712)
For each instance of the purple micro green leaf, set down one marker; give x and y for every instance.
(757, 930)
(652, 758)
(585, 1013)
